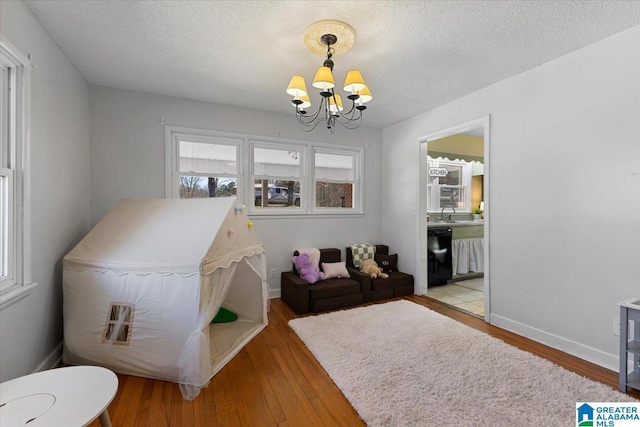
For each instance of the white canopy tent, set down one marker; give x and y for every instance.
(141, 289)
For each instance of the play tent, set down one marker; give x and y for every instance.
(141, 289)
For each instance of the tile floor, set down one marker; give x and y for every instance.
(467, 295)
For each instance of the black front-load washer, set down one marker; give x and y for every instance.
(439, 255)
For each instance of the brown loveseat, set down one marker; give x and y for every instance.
(324, 295)
(398, 284)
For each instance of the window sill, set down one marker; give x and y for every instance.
(282, 215)
(16, 294)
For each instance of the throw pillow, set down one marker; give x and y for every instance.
(360, 252)
(387, 262)
(333, 270)
(225, 316)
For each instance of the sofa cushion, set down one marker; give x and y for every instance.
(380, 284)
(330, 255)
(334, 270)
(336, 303)
(387, 262)
(396, 280)
(331, 288)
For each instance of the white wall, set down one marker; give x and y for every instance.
(31, 329)
(565, 193)
(127, 161)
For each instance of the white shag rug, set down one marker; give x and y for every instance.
(401, 364)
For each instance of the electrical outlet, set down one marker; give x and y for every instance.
(616, 327)
(272, 273)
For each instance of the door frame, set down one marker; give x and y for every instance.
(422, 270)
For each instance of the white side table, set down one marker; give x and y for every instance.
(63, 397)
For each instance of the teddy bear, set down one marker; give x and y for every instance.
(370, 267)
(306, 269)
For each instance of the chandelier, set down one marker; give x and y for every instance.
(329, 37)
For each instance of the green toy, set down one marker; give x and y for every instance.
(225, 316)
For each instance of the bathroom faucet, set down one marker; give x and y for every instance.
(442, 213)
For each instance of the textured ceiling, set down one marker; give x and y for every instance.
(415, 55)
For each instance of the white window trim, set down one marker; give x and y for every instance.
(304, 202)
(245, 173)
(357, 153)
(174, 134)
(466, 183)
(22, 178)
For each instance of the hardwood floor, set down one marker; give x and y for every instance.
(275, 380)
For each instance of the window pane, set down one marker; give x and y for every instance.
(7, 232)
(452, 197)
(273, 162)
(206, 186)
(4, 202)
(200, 157)
(5, 109)
(276, 193)
(334, 167)
(334, 195)
(454, 175)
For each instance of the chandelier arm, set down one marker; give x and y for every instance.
(306, 127)
(353, 115)
(351, 124)
(310, 122)
(351, 110)
(305, 119)
(308, 118)
(351, 127)
(312, 115)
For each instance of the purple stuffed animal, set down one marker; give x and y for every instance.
(307, 271)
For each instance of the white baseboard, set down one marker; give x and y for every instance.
(600, 358)
(274, 293)
(52, 360)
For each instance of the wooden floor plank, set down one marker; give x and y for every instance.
(252, 403)
(311, 415)
(259, 360)
(143, 415)
(276, 381)
(128, 389)
(287, 399)
(209, 408)
(198, 412)
(160, 404)
(226, 408)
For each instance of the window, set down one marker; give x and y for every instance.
(271, 176)
(15, 274)
(276, 176)
(206, 167)
(335, 179)
(119, 324)
(451, 187)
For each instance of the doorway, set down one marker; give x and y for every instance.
(453, 189)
